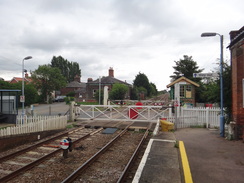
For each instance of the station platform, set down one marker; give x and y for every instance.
(161, 161)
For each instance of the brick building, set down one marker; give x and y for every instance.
(93, 86)
(237, 65)
(77, 87)
(19, 79)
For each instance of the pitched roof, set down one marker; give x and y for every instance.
(109, 80)
(76, 84)
(236, 36)
(18, 79)
(183, 79)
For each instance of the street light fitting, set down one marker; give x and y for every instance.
(27, 58)
(23, 87)
(208, 34)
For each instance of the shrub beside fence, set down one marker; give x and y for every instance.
(35, 124)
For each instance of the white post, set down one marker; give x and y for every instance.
(72, 111)
(207, 117)
(170, 110)
(105, 95)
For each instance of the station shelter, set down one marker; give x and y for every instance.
(8, 105)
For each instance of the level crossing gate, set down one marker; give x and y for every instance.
(119, 113)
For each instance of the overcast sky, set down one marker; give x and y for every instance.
(131, 36)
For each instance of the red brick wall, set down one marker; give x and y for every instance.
(237, 88)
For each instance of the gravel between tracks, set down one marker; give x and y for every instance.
(57, 168)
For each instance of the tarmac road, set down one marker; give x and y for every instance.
(212, 158)
(49, 109)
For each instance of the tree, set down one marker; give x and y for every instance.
(186, 67)
(141, 80)
(118, 91)
(153, 89)
(47, 79)
(31, 95)
(68, 69)
(211, 90)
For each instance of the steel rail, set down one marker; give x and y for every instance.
(30, 148)
(132, 159)
(83, 167)
(4, 158)
(43, 158)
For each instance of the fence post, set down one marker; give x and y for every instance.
(170, 110)
(207, 117)
(71, 111)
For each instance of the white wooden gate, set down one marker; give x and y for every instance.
(119, 113)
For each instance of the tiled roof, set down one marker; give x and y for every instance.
(109, 80)
(236, 36)
(183, 79)
(18, 79)
(76, 84)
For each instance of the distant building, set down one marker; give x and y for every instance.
(237, 66)
(19, 79)
(77, 87)
(93, 86)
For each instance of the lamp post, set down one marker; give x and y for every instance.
(222, 123)
(23, 88)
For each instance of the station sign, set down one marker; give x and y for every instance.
(205, 75)
(22, 98)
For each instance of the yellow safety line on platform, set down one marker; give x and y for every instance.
(185, 163)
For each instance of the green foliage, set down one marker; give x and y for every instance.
(68, 69)
(186, 66)
(71, 94)
(101, 96)
(47, 79)
(6, 85)
(134, 93)
(31, 95)
(141, 81)
(68, 100)
(153, 89)
(118, 92)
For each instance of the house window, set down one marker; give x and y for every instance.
(185, 91)
(94, 92)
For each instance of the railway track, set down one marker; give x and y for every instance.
(113, 162)
(18, 162)
(102, 156)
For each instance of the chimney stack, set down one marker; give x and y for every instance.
(111, 72)
(77, 78)
(89, 80)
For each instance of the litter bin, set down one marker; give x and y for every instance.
(166, 125)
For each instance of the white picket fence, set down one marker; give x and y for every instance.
(35, 124)
(197, 116)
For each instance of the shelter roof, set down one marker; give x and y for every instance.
(183, 79)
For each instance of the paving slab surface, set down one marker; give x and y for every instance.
(212, 158)
(162, 162)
